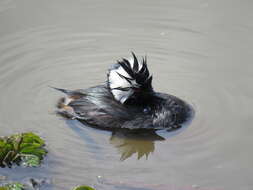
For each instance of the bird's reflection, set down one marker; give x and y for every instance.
(130, 142)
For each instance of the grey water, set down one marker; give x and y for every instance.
(198, 50)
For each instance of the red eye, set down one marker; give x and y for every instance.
(136, 89)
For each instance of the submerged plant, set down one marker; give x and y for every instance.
(25, 148)
(83, 187)
(13, 186)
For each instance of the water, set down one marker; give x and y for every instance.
(199, 50)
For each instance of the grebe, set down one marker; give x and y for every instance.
(126, 101)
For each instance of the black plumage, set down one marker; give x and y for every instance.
(143, 108)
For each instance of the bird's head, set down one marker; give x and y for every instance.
(129, 79)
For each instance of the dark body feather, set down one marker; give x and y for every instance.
(126, 101)
(97, 107)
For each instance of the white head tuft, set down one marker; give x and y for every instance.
(127, 76)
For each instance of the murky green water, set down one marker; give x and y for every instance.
(199, 50)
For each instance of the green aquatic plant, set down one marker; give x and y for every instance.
(25, 149)
(83, 187)
(13, 186)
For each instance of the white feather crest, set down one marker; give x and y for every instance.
(120, 78)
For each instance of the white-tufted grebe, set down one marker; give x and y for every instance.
(127, 100)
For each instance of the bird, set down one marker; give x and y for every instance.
(126, 100)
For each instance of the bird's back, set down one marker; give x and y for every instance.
(97, 107)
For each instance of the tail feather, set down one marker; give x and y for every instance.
(62, 90)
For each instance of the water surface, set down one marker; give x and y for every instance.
(198, 50)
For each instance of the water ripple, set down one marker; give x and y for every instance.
(66, 57)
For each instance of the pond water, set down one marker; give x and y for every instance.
(198, 50)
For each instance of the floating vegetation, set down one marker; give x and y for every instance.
(13, 186)
(83, 187)
(26, 149)
(27, 184)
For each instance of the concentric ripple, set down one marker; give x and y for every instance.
(6, 4)
(191, 54)
(34, 59)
